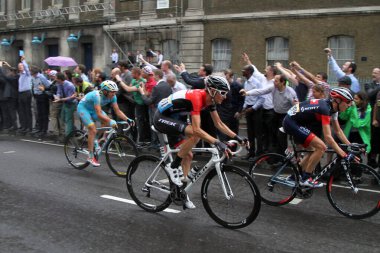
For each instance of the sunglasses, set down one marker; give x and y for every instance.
(222, 92)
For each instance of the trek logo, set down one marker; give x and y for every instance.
(167, 122)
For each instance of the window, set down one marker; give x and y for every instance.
(56, 2)
(277, 50)
(2, 6)
(25, 4)
(343, 50)
(221, 54)
(170, 50)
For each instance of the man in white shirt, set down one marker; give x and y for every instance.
(159, 56)
(114, 56)
(171, 79)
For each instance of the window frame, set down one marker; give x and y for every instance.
(284, 61)
(225, 63)
(26, 5)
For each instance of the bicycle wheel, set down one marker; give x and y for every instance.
(120, 151)
(148, 186)
(360, 204)
(270, 171)
(75, 147)
(244, 204)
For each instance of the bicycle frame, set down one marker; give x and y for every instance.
(215, 161)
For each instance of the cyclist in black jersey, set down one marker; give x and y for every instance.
(307, 121)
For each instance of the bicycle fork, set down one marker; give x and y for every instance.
(224, 182)
(349, 178)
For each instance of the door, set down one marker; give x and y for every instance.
(87, 49)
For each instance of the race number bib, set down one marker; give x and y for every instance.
(294, 110)
(165, 104)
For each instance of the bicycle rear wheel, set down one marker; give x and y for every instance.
(120, 151)
(357, 205)
(75, 147)
(244, 205)
(270, 173)
(152, 195)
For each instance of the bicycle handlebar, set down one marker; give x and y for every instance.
(355, 148)
(231, 142)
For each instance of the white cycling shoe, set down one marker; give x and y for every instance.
(189, 204)
(174, 174)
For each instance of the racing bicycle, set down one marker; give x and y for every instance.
(228, 193)
(118, 147)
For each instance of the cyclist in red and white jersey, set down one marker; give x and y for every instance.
(171, 119)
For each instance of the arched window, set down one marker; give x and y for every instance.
(277, 50)
(343, 50)
(221, 54)
(170, 50)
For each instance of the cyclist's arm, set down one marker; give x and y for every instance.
(220, 125)
(101, 116)
(198, 131)
(118, 112)
(339, 132)
(330, 140)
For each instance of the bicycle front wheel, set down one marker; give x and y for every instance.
(361, 202)
(148, 184)
(120, 151)
(243, 203)
(276, 178)
(75, 147)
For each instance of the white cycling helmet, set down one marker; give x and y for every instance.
(109, 85)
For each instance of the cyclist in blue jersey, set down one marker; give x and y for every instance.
(90, 110)
(307, 121)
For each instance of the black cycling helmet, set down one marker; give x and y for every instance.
(218, 83)
(343, 93)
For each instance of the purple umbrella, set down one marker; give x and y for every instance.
(61, 61)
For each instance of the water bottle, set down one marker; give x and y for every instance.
(193, 172)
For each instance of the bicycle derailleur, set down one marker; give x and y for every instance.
(178, 195)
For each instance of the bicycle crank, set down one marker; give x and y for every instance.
(304, 193)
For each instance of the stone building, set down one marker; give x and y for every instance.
(196, 31)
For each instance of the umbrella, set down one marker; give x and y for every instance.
(61, 61)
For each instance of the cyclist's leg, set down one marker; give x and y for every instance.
(87, 119)
(315, 157)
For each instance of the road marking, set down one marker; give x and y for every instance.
(42, 142)
(9, 152)
(339, 186)
(168, 210)
(295, 201)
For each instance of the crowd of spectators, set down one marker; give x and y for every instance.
(42, 103)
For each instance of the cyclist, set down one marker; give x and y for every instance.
(171, 118)
(316, 114)
(89, 110)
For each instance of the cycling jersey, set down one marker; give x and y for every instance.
(86, 107)
(187, 101)
(311, 114)
(170, 117)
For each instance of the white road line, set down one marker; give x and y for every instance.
(9, 152)
(168, 210)
(42, 142)
(339, 186)
(295, 201)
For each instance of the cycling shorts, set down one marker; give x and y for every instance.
(88, 117)
(301, 134)
(174, 126)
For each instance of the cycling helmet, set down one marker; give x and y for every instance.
(342, 93)
(218, 83)
(109, 85)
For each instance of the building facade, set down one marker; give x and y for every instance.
(196, 31)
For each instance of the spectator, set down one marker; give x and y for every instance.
(166, 67)
(160, 91)
(229, 109)
(159, 56)
(81, 70)
(24, 97)
(81, 87)
(348, 69)
(139, 56)
(264, 128)
(250, 106)
(174, 84)
(56, 125)
(375, 136)
(345, 82)
(114, 56)
(284, 97)
(148, 75)
(373, 90)
(358, 121)
(93, 74)
(40, 85)
(99, 78)
(9, 78)
(66, 95)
